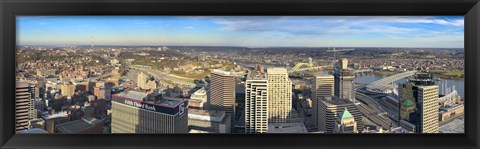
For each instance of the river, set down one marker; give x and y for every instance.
(367, 78)
(458, 83)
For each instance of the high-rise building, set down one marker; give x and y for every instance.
(222, 93)
(419, 103)
(330, 108)
(151, 85)
(322, 86)
(428, 105)
(344, 63)
(24, 105)
(280, 95)
(344, 85)
(102, 93)
(346, 122)
(142, 80)
(256, 104)
(68, 89)
(260, 69)
(138, 112)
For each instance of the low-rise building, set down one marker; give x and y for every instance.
(209, 121)
(81, 126)
(450, 112)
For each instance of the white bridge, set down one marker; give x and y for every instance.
(384, 85)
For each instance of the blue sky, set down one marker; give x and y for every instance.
(250, 31)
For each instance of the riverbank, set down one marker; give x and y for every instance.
(450, 74)
(447, 75)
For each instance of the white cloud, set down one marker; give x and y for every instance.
(330, 24)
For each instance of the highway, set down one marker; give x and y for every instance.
(106, 75)
(372, 110)
(164, 76)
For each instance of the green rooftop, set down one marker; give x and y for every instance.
(408, 103)
(344, 114)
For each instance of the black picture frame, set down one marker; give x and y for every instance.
(468, 8)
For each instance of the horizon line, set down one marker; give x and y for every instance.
(236, 46)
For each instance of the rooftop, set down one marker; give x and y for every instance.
(22, 84)
(170, 102)
(33, 130)
(323, 76)
(451, 107)
(456, 126)
(277, 71)
(77, 125)
(222, 72)
(407, 103)
(287, 128)
(201, 91)
(135, 95)
(206, 115)
(345, 114)
(335, 101)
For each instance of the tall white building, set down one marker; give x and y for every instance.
(344, 63)
(280, 95)
(24, 105)
(428, 101)
(323, 86)
(142, 80)
(256, 105)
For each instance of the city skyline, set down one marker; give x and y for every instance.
(121, 74)
(248, 31)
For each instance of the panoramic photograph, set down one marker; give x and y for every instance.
(239, 74)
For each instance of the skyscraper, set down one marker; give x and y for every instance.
(322, 86)
(222, 93)
(344, 85)
(419, 103)
(24, 105)
(68, 89)
(138, 112)
(256, 104)
(428, 105)
(344, 63)
(280, 95)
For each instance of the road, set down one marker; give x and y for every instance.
(164, 76)
(372, 110)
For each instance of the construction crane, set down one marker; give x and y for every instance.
(335, 57)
